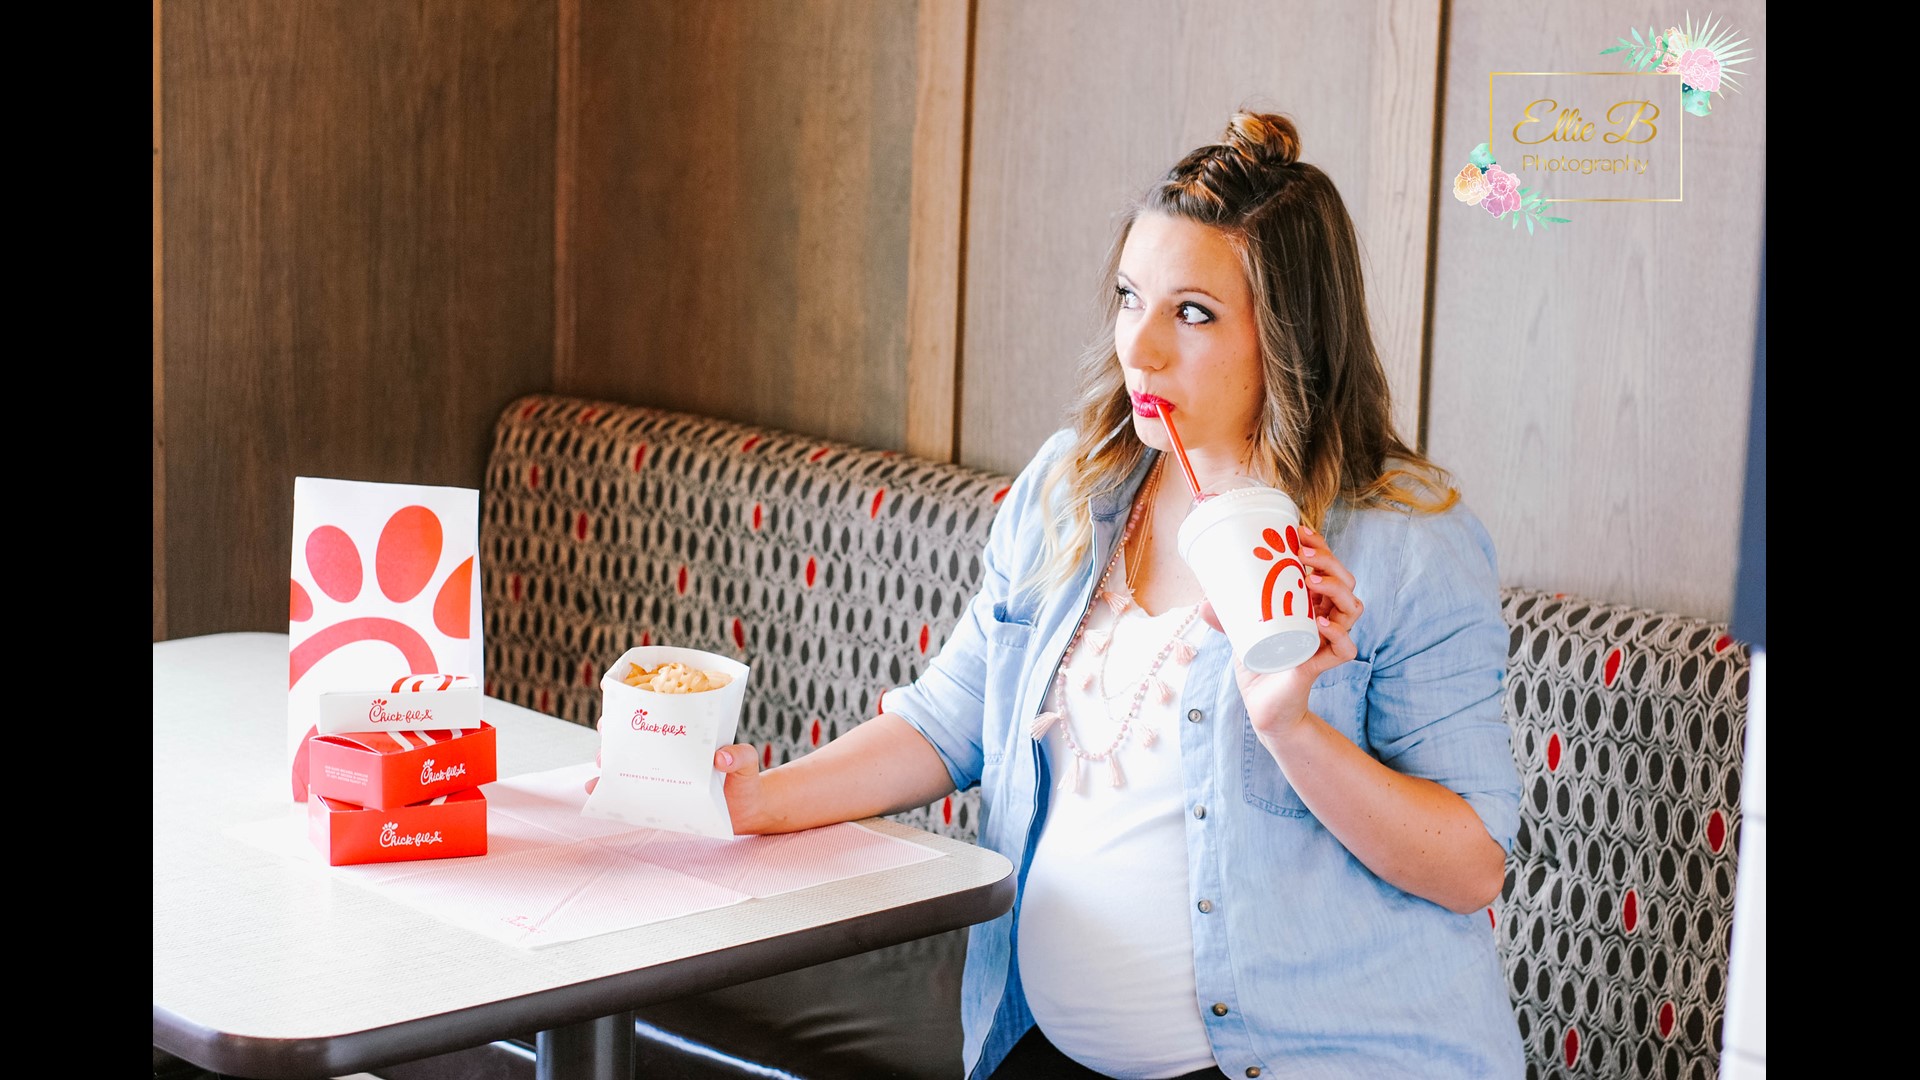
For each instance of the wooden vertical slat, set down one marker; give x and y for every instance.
(159, 372)
(936, 261)
(1403, 87)
(566, 141)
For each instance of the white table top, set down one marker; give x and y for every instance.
(267, 966)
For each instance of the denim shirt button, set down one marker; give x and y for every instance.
(1193, 716)
(1205, 906)
(1253, 1070)
(1219, 1008)
(1199, 810)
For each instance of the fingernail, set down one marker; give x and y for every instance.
(1315, 578)
(1324, 621)
(726, 760)
(1308, 551)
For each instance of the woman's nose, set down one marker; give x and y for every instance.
(1139, 346)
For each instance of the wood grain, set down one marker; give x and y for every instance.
(744, 184)
(936, 262)
(358, 258)
(1078, 105)
(566, 143)
(1590, 385)
(159, 371)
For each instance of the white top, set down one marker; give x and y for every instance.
(1105, 947)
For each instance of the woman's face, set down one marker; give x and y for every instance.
(1186, 336)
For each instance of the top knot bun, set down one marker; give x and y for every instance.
(1267, 138)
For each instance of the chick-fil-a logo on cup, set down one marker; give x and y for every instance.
(378, 713)
(390, 837)
(428, 776)
(641, 723)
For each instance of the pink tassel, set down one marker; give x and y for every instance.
(1071, 782)
(1041, 723)
(1114, 776)
(1182, 651)
(1149, 736)
(1098, 641)
(1119, 599)
(1161, 691)
(1086, 680)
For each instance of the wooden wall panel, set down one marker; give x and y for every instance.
(741, 225)
(1079, 104)
(1589, 385)
(358, 202)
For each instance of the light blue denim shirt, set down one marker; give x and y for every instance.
(1307, 964)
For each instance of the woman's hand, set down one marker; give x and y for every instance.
(1277, 702)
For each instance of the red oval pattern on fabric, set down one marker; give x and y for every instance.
(946, 810)
(680, 584)
(1613, 665)
(1630, 911)
(1002, 493)
(739, 634)
(639, 456)
(1491, 923)
(811, 569)
(1716, 831)
(816, 731)
(757, 513)
(1666, 1019)
(1571, 1047)
(533, 477)
(878, 497)
(1723, 643)
(516, 585)
(752, 441)
(1553, 752)
(580, 526)
(926, 634)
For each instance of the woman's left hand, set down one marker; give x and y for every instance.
(1278, 701)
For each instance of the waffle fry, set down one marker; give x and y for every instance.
(674, 678)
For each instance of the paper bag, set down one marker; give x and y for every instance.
(386, 584)
(656, 749)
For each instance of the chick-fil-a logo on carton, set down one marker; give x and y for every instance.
(428, 776)
(390, 837)
(641, 723)
(378, 713)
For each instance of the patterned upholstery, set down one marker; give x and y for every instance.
(833, 571)
(1617, 915)
(836, 571)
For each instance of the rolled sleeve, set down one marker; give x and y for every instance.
(948, 703)
(1435, 706)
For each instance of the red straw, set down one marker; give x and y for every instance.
(1179, 451)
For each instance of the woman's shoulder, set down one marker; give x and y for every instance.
(1405, 543)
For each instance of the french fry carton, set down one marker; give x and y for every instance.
(389, 769)
(447, 827)
(412, 703)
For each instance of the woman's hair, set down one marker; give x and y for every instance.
(1325, 429)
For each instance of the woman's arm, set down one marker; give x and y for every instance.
(881, 767)
(1413, 832)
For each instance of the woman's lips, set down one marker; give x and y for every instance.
(1150, 405)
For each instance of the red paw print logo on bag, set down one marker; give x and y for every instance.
(385, 585)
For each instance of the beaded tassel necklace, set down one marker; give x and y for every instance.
(1119, 599)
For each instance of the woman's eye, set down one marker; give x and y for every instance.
(1194, 313)
(1127, 297)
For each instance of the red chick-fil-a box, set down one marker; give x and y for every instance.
(448, 827)
(384, 769)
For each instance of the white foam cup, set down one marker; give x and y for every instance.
(1243, 543)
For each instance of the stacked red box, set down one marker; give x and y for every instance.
(403, 792)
